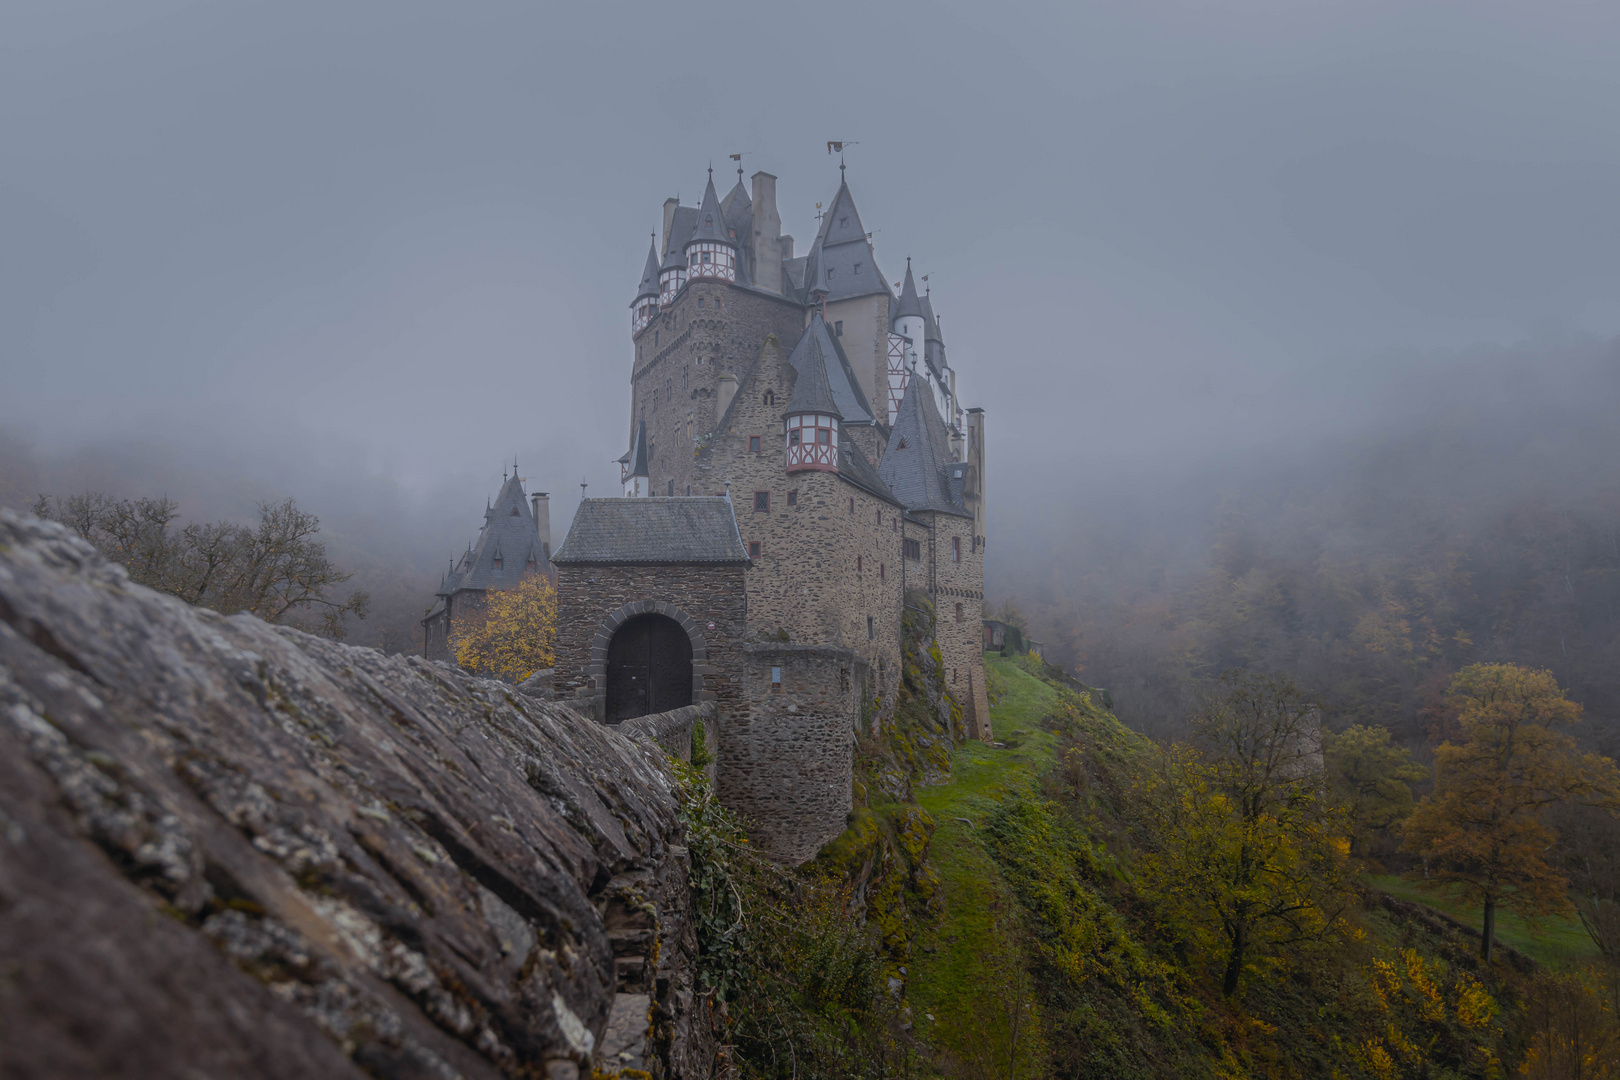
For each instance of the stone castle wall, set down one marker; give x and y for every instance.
(680, 359)
(709, 601)
(787, 755)
(957, 589)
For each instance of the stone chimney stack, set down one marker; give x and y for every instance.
(541, 502)
(767, 234)
(669, 223)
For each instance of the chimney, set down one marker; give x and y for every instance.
(974, 489)
(728, 390)
(541, 502)
(669, 223)
(767, 234)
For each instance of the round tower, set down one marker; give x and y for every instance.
(645, 305)
(712, 250)
(811, 419)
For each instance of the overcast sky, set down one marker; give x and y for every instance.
(404, 236)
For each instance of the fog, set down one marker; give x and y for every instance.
(1190, 258)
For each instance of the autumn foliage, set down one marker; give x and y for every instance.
(514, 636)
(1485, 830)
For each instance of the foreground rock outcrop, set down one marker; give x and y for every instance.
(229, 849)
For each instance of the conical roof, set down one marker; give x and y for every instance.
(638, 453)
(812, 391)
(846, 388)
(711, 223)
(916, 465)
(649, 276)
(842, 222)
(930, 321)
(507, 548)
(815, 271)
(909, 304)
(680, 227)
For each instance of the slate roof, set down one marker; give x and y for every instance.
(681, 224)
(853, 466)
(711, 222)
(845, 263)
(649, 276)
(909, 304)
(509, 535)
(636, 460)
(930, 320)
(917, 464)
(842, 222)
(695, 529)
(811, 391)
(815, 277)
(846, 388)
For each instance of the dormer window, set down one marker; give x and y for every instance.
(830, 274)
(857, 268)
(497, 562)
(843, 222)
(838, 328)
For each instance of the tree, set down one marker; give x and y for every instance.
(276, 570)
(1372, 777)
(1246, 842)
(1485, 829)
(514, 635)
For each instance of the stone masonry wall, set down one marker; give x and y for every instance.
(713, 600)
(866, 342)
(680, 358)
(829, 561)
(786, 758)
(952, 583)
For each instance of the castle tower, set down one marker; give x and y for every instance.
(911, 324)
(645, 305)
(811, 419)
(711, 252)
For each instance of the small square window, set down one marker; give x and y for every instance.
(753, 443)
(793, 498)
(857, 268)
(753, 549)
(762, 502)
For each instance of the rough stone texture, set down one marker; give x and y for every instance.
(956, 588)
(675, 385)
(787, 758)
(708, 600)
(231, 849)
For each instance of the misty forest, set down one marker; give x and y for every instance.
(1298, 352)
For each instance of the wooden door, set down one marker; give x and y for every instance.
(649, 668)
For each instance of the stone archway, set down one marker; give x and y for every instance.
(649, 668)
(597, 671)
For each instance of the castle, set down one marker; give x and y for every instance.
(798, 460)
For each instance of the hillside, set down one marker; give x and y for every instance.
(1012, 930)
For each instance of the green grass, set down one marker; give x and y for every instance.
(952, 981)
(1556, 942)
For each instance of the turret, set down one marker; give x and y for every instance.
(645, 305)
(711, 252)
(634, 471)
(672, 272)
(811, 419)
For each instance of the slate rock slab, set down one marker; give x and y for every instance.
(229, 849)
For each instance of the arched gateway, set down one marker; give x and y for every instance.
(649, 668)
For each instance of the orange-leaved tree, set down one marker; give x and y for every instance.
(1484, 830)
(515, 635)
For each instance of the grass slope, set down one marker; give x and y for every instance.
(1555, 942)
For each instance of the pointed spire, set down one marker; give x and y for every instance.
(842, 223)
(711, 223)
(812, 391)
(909, 304)
(816, 274)
(649, 276)
(637, 465)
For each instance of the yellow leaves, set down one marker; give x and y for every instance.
(1475, 1007)
(1377, 1060)
(514, 635)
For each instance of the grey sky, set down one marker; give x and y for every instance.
(403, 236)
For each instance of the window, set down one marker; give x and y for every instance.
(852, 504)
(830, 275)
(857, 564)
(793, 437)
(717, 299)
(871, 631)
(497, 562)
(883, 572)
(700, 299)
(672, 489)
(762, 502)
(753, 443)
(902, 445)
(705, 259)
(958, 612)
(838, 328)
(770, 397)
(753, 549)
(823, 436)
(689, 490)
(956, 556)
(880, 515)
(793, 498)
(843, 223)
(776, 679)
(857, 268)
(911, 549)
(655, 339)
